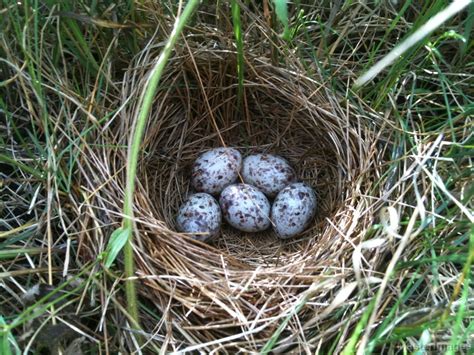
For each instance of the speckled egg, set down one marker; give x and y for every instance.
(200, 215)
(270, 173)
(245, 208)
(293, 209)
(216, 169)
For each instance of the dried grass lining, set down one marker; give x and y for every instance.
(238, 290)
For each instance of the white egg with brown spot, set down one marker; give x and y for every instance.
(200, 216)
(245, 207)
(269, 173)
(293, 209)
(215, 169)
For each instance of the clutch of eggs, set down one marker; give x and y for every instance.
(245, 206)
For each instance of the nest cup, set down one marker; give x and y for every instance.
(238, 289)
(274, 118)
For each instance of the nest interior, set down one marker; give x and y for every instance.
(243, 283)
(276, 118)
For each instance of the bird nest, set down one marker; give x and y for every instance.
(242, 289)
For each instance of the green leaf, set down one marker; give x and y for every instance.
(117, 241)
(281, 10)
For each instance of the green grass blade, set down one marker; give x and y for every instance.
(132, 159)
(7, 341)
(45, 303)
(414, 282)
(13, 253)
(456, 338)
(27, 169)
(468, 31)
(281, 10)
(351, 346)
(240, 49)
(413, 39)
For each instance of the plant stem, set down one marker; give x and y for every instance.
(132, 159)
